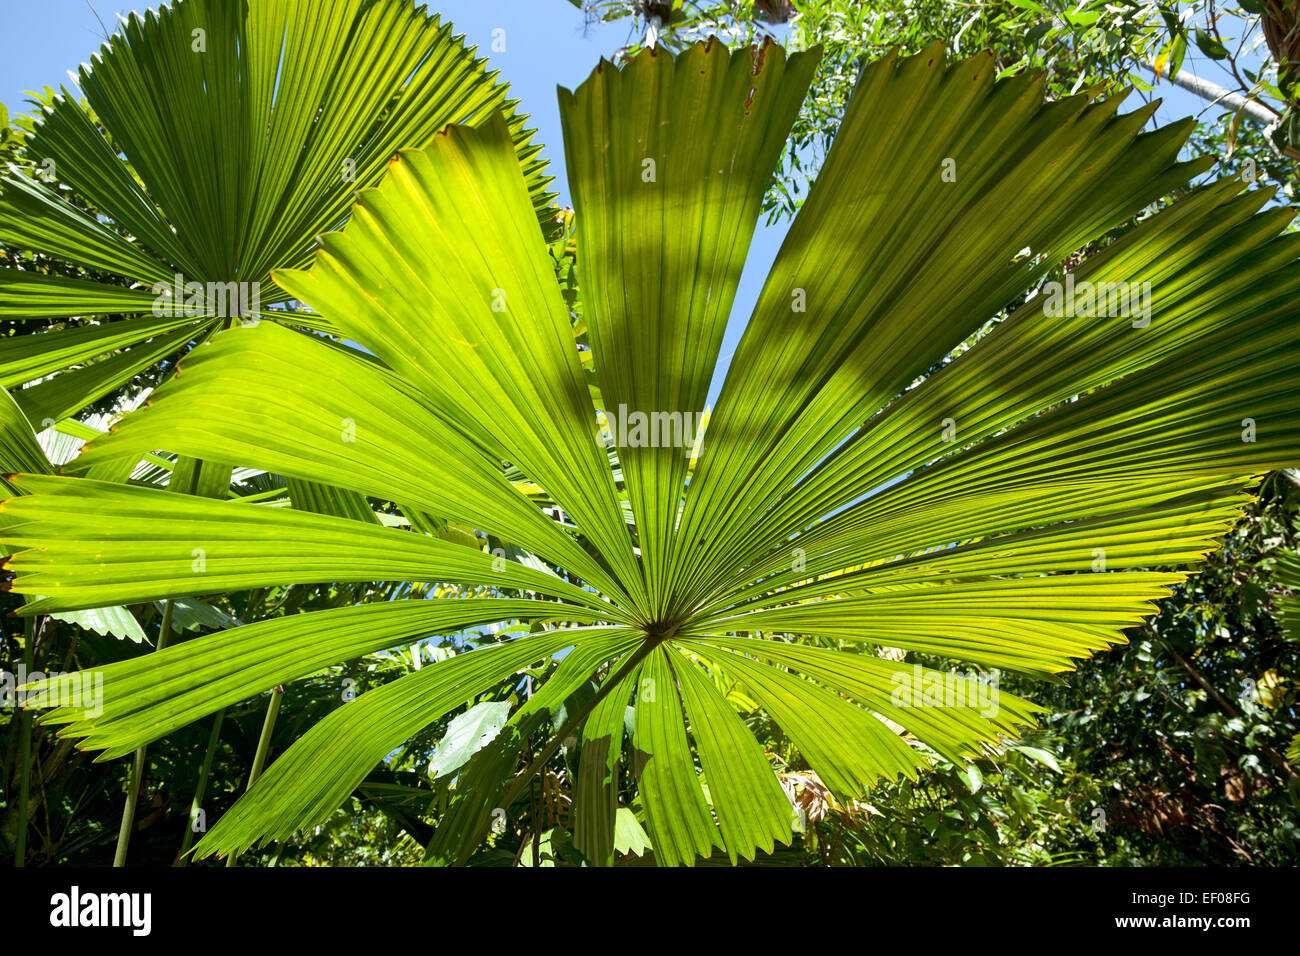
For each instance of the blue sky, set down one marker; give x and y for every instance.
(547, 43)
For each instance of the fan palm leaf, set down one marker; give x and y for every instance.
(886, 465)
(215, 141)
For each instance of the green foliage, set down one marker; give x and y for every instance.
(1095, 45)
(508, 634)
(1185, 730)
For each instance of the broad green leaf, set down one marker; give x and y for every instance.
(1038, 753)
(25, 358)
(897, 692)
(328, 500)
(1210, 45)
(848, 747)
(467, 734)
(313, 776)
(61, 396)
(19, 451)
(1042, 176)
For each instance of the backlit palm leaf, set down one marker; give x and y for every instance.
(217, 139)
(858, 483)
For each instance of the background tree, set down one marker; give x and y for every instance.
(1245, 75)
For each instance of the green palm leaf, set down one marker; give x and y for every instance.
(897, 458)
(1288, 606)
(315, 775)
(167, 690)
(349, 424)
(20, 451)
(201, 546)
(217, 139)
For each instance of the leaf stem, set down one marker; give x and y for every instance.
(263, 746)
(201, 787)
(137, 767)
(24, 786)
